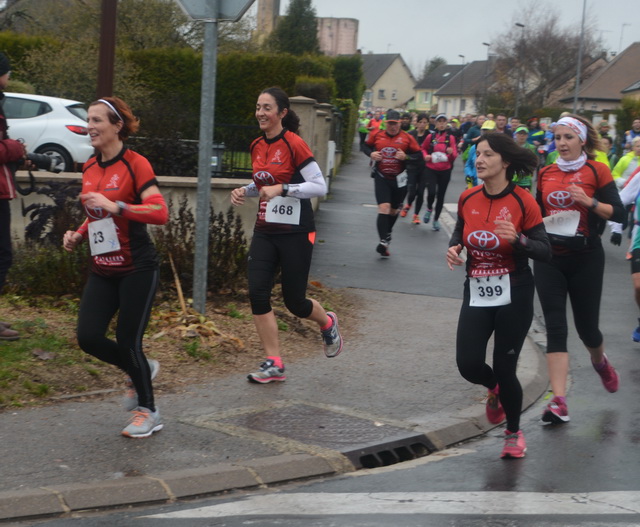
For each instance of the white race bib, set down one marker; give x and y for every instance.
(490, 291)
(563, 223)
(103, 237)
(402, 178)
(439, 157)
(283, 210)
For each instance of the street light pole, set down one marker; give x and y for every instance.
(579, 70)
(461, 84)
(486, 79)
(621, 33)
(519, 79)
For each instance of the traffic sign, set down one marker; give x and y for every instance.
(231, 10)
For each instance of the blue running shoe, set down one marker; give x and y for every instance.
(268, 372)
(636, 334)
(436, 225)
(427, 215)
(332, 340)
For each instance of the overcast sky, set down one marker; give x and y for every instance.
(421, 29)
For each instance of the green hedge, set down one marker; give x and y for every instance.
(349, 125)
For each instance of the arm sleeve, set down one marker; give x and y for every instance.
(251, 190)
(456, 236)
(535, 245)
(609, 194)
(314, 184)
(83, 229)
(153, 210)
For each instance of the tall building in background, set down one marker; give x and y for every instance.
(267, 17)
(338, 36)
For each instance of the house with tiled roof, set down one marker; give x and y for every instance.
(388, 80)
(424, 91)
(464, 92)
(603, 91)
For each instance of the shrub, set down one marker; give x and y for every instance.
(318, 88)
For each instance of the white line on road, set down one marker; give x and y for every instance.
(459, 503)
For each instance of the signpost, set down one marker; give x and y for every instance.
(209, 12)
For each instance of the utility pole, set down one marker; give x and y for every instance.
(107, 54)
(579, 69)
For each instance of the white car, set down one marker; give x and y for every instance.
(50, 125)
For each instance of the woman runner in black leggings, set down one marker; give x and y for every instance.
(120, 196)
(500, 226)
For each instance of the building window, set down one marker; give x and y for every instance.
(426, 97)
(381, 94)
(463, 105)
(394, 95)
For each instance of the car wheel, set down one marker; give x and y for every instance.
(63, 160)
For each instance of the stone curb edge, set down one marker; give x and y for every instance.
(169, 487)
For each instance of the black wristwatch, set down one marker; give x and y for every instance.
(285, 190)
(122, 206)
(594, 204)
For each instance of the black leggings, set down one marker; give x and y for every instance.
(292, 252)
(437, 183)
(509, 324)
(580, 276)
(132, 297)
(416, 186)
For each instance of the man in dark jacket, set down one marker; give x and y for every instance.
(10, 152)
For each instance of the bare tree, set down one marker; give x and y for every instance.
(536, 51)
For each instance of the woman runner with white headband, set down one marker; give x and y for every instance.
(576, 195)
(120, 196)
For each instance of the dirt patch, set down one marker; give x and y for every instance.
(192, 349)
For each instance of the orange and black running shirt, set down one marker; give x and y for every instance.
(487, 253)
(279, 160)
(388, 146)
(123, 178)
(595, 179)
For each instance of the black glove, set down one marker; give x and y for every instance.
(616, 238)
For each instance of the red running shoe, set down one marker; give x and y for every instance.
(609, 376)
(556, 412)
(494, 410)
(514, 445)
(404, 211)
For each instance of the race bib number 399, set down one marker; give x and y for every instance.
(490, 291)
(283, 210)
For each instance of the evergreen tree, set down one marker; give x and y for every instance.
(297, 31)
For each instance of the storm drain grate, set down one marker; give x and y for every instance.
(366, 443)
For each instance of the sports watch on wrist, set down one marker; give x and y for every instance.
(285, 190)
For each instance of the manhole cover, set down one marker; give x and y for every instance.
(318, 426)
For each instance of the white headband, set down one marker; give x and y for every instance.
(577, 126)
(112, 107)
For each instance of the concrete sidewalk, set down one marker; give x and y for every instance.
(393, 394)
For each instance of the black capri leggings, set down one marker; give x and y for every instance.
(416, 186)
(509, 325)
(292, 252)
(580, 276)
(437, 183)
(132, 295)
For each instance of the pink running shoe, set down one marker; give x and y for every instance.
(514, 445)
(494, 410)
(556, 412)
(609, 376)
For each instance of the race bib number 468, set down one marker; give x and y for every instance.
(283, 210)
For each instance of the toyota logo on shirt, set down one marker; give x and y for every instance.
(483, 240)
(388, 151)
(560, 199)
(264, 178)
